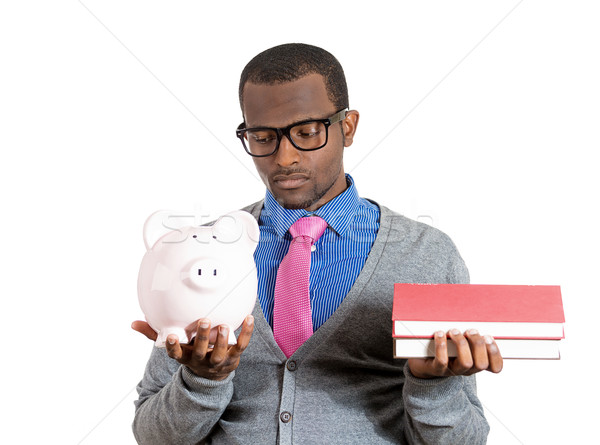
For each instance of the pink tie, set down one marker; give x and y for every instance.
(292, 317)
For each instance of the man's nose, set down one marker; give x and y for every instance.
(287, 154)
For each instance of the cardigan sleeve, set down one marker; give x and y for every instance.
(443, 410)
(175, 406)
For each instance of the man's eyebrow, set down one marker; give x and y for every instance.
(300, 119)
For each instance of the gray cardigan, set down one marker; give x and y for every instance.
(342, 386)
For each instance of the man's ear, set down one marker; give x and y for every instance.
(349, 125)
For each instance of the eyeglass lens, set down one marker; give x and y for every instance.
(308, 135)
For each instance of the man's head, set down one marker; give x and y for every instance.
(292, 61)
(294, 83)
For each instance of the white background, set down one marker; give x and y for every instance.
(482, 115)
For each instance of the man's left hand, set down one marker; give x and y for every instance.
(475, 353)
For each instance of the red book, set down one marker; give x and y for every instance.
(502, 311)
(526, 321)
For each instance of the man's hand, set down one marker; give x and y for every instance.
(214, 363)
(475, 353)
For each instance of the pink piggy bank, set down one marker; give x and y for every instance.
(199, 272)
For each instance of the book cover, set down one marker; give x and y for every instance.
(502, 311)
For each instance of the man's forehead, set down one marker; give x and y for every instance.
(284, 103)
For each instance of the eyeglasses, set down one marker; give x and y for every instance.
(306, 135)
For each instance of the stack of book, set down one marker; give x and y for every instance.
(526, 321)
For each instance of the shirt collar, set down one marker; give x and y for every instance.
(338, 213)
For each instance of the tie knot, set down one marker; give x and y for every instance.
(311, 226)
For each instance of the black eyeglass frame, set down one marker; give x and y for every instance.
(285, 131)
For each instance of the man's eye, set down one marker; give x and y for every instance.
(262, 139)
(304, 134)
(307, 131)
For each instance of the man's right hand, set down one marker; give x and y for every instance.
(214, 363)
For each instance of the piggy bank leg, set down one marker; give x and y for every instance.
(232, 340)
(165, 332)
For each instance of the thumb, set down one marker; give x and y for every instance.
(144, 328)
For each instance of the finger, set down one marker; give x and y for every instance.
(435, 366)
(212, 337)
(144, 328)
(244, 337)
(495, 357)
(479, 351)
(173, 347)
(219, 352)
(464, 360)
(440, 361)
(202, 338)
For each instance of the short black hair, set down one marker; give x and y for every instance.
(292, 61)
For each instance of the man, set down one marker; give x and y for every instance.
(341, 385)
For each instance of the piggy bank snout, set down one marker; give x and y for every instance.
(205, 274)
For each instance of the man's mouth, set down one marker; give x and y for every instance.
(290, 181)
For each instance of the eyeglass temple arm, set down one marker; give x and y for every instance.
(339, 116)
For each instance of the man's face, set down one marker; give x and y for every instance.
(299, 179)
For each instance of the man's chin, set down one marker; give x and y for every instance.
(306, 199)
(294, 204)
(291, 205)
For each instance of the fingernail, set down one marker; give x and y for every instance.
(455, 331)
(473, 332)
(249, 320)
(224, 330)
(204, 323)
(488, 339)
(440, 334)
(171, 340)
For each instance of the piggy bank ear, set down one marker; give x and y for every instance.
(237, 226)
(162, 222)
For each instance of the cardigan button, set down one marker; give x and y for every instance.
(285, 416)
(291, 365)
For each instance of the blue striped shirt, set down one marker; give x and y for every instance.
(337, 258)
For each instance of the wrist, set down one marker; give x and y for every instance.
(207, 375)
(422, 379)
(198, 381)
(419, 375)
